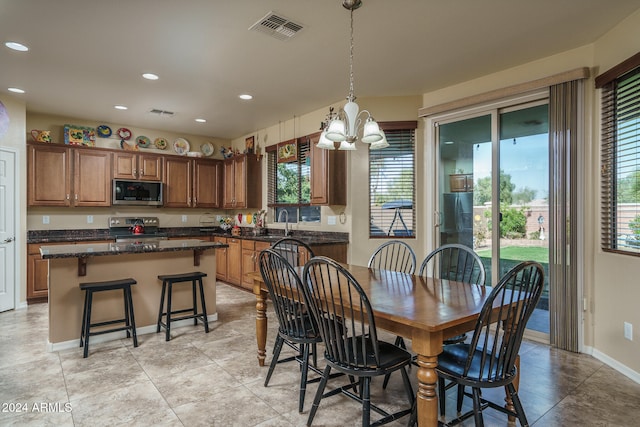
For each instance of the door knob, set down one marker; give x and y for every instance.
(8, 240)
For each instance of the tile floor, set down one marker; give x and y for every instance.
(213, 379)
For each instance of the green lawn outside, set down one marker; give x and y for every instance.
(520, 253)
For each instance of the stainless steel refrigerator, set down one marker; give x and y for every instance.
(457, 218)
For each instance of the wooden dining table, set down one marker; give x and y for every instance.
(424, 310)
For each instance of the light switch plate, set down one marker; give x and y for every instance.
(331, 220)
(45, 219)
(184, 218)
(89, 219)
(628, 331)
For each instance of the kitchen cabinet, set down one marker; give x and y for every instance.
(250, 260)
(221, 259)
(461, 182)
(192, 183)
(63, 176)
(328, 175)
(143, 167)
(234, 261)
(242, 182)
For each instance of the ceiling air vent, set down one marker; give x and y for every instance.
(276, 26)
(162, 112)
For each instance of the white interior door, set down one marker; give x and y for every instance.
(7, 229)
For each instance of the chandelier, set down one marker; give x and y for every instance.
(342, 128)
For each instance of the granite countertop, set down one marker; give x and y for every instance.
(100, 249)
(309, 237)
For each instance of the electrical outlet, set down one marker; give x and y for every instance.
(628, 331)
(331, 220)
(184, 218)
(89, 219)
(45, 219)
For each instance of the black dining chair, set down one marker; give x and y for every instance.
(459, 263)
(346, 322)
(293, 250)
(394, 255)
(297, 327)
(489, 359)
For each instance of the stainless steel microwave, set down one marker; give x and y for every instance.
(128, 192)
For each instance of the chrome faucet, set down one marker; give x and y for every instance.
(286, 221)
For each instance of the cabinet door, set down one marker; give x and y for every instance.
(206, 184)
(248, 266)
(234, 261)
(240, 181)
(37, 278)
(221, 260)
(150, 167)
(125, 165)
(92, 178)
(177, 188)
(48, 176)
(328, 175)
(228, 193)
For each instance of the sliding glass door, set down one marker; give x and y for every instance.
(494, 169)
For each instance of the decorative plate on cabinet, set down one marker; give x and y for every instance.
(207, 149)
(181, 146)
(103, 131)
(161, 143)
(143, 141)
(124, 134)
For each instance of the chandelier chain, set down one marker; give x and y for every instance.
(351, 97)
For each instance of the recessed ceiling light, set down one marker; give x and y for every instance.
(120, 107)
(448, 142)
(150, 76)
(15, 90)
(16, 46)
(201, 120)
(245, 96)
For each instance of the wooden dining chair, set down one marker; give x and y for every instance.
(293, 250)
(488, 360)
(343, 313)
(394, 255)
(297, 327)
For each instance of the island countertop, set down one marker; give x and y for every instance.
(101, 249)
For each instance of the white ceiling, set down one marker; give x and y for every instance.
(88, 55)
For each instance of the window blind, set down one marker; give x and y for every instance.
(392, 186)
(620, 167)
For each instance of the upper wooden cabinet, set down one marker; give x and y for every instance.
(242, 182)
(143, 167)
(192, 183)
(328, 175)
(64, 176)
(461, 182)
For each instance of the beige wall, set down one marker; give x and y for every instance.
(14, 140)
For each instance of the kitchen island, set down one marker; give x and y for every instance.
(70, 265)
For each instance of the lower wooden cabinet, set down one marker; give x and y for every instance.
(37, 276)
(38, 270)
(221, 259)
(250, 261)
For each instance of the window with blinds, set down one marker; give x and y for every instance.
(620, 156)
(392, 186)
(289, 185)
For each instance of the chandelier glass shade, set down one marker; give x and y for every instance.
(345, 126)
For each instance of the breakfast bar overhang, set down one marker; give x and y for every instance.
(70, 265)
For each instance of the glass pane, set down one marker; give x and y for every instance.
(465, 183)
(524, 196)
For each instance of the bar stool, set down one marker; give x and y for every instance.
(168, 281)
(128, 320)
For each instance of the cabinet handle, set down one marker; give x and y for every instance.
(134, 173)
(141, 173)
(67, 197)
(76, 196)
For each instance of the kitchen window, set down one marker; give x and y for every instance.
(392, 197)
(289, 182)
(620, 157)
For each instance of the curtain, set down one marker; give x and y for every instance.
(566, 134)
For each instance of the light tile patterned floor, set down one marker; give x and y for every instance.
(200, 379)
